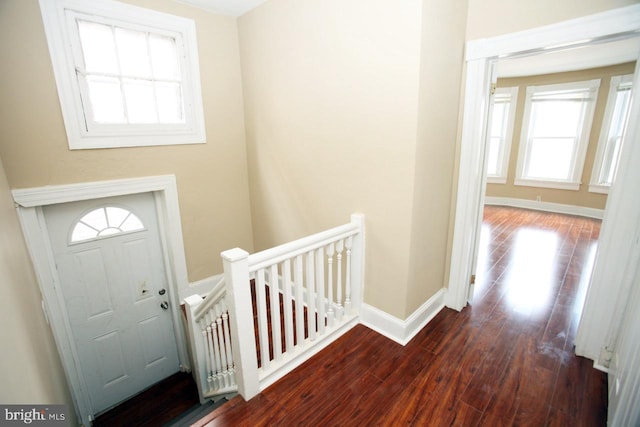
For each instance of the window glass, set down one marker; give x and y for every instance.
(555, 134)
(105, 221)
(125, 86)
(126, 76)
(500, 133)
(611, 135)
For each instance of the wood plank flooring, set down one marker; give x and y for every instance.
(155, 406)
(505, 360)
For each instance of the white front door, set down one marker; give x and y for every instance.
(112, 275)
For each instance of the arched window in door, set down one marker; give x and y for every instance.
(105, 221)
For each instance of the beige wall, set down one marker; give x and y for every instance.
(443, 24)
(30, 368)
(577, 198)
(212, 177)
(331, 94)
(488, 18)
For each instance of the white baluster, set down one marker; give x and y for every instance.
(211, 362)
(216, 354)
(311, 298)
(288, 309)
(227, 346)
(339, 247)
(263, 329)
(320, 289)
(223, 354)
(330, 311)
(299, 302)
(347, 296)
(207, 358)
(274, 296)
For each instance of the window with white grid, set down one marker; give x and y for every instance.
(555, 134)
(126, 76)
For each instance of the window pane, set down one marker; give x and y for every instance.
(620, 111)
(499, 113)
(98, 47)
(141, 105)
(83, 232)
(133, 53)
(96, 219)
(555, 118)
(132, 223)
(116, 216)
(611, 155)
(169, 96)
(164, 57)
(550, 158)
(106, 99)
(492, 162)
(610, 161)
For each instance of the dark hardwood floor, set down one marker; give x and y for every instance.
(155, 406)
(506, 359)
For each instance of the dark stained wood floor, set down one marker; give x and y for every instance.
(155, 406)
(505, 360)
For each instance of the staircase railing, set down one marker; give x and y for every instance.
(280, 306)
(210, 340)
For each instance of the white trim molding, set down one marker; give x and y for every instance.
(402, 331)
(29, 206)
(545, 206)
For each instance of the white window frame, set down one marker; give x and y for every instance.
(504, 152)
(577, 162)
(616, 81)
(59, 17)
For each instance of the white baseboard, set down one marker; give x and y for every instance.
(545, 206)
(202, 287)
(402, 331)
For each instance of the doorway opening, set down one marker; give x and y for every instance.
(482, 56)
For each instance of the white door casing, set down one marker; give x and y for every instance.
(113, 286)
(481, 56)
(29, 205)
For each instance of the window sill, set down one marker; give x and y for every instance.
(558, 185)
(597, 188)
(496, 180)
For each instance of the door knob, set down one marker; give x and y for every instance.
(162, 291)
(164, 305)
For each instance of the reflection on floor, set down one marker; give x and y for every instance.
(506, 359)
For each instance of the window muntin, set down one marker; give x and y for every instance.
(129, 76)
(555, 134)
(500, 133)
(611, 134)
(126, 76)
(105, 221)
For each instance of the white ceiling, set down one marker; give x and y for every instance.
(225, 7)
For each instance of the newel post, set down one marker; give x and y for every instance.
(236, 276)
(357, 263)
(196, 343)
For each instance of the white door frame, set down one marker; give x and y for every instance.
(29, 206)
(621, 216)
